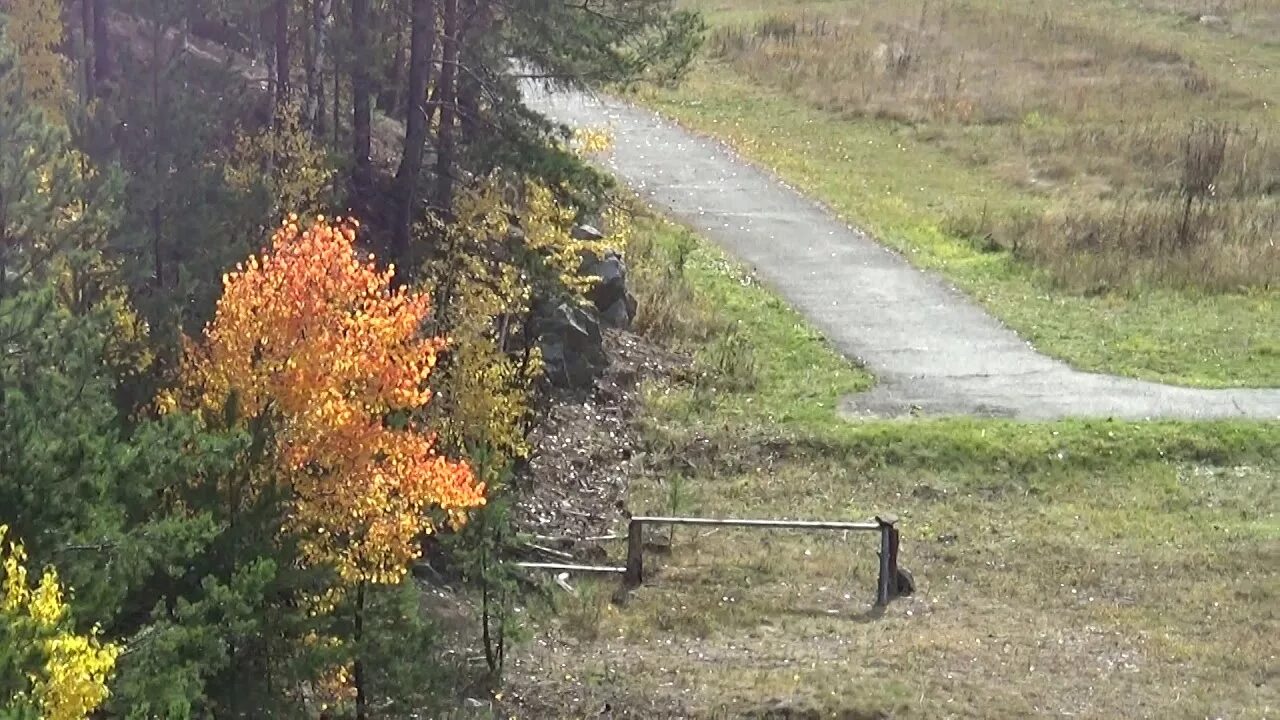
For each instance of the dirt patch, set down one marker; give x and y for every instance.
(589, 444)
(588, 449)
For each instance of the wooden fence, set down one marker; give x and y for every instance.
(887, 586)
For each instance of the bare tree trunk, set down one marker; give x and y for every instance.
(157, 247)
(266, 44)
(4, 243)
(86, 53)
(480, 19)
(422, 41)
(391, 98)
(362, 700)
(101, 44)
(448, 99)
(362, 119)
(282, 51)
(320, 11)
(308, 49)
(273, 88)
(468, 108)
(337, 104)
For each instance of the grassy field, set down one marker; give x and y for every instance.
(1074, 569)
(1103, 176)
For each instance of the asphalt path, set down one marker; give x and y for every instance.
(933, 350)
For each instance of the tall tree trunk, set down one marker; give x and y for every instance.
(308, 59)
(4, 243)
(361, 120)
(266, 43)
(273, 88)
(468, 107)
(320, 10)
(448, 102)
(337, 104)
(86, 51)
(101, 44)
(422, 41)
(319, 123)
(480, 19)
(362, 699)
(157, 248)
(282, 51)
(391, 100)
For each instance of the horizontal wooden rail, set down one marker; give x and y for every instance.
(888, 583)
(568, 567)
(734, 522)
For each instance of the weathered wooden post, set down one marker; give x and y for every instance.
(635, 554)
(886, 588)
(896, 572)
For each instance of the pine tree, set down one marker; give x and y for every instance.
(65, 467)
(52, 203)
(597, 44)
(35, 29)
(361, 97)
(185, 536)
(116, 502)
(184, 221)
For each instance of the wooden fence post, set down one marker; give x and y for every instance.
(885, 589)
(895, 585)
(635, 554)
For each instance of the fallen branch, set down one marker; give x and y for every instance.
(574, 540)
(550, 551)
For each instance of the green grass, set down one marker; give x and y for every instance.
(900, 191)
(906, 182)
(1096, 569)
(746, 337)
(1088, 569)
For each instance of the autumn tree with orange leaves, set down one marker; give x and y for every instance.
(314, 343)
(316, 340)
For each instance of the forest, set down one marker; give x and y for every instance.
(272, 279)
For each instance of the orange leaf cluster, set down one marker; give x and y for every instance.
(317, 339)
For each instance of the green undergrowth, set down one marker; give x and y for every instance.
(757, 362)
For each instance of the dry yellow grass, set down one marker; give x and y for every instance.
(1251, 20)
(1049, 603)
(1087, 124)
(1088, 570)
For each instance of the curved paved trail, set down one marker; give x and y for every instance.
(933, 350)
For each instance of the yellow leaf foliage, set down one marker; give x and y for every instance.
(317, 339)
(286, 160)
(590, 141)
(486, 278)
(72, 682)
